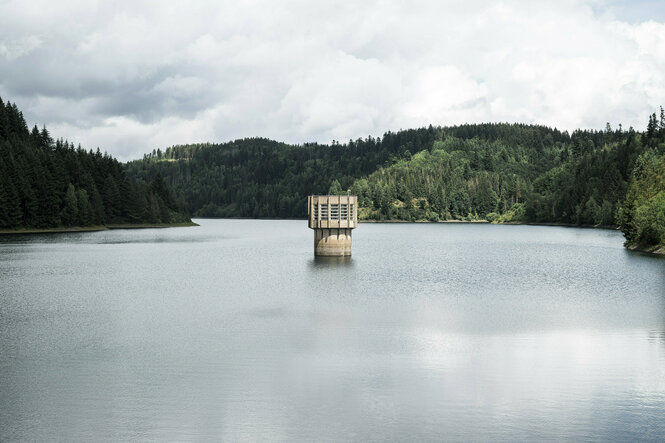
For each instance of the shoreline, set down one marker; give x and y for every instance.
(426, 221)
(481, 221)
(151, 225)
(63, 230)
(516, 223)
(658, 250)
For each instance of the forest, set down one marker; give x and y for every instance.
(642, 216)
(496, 172)
(578, 179)
(47, 183)
(258, 177)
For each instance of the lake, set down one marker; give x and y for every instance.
(233, 331)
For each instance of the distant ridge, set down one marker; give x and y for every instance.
(495, 171)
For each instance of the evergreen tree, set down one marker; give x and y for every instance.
(335, 188)
(69, 213)
(84, 212)
(48, 183)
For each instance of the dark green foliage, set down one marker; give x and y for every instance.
(642, 216)
(263, 178)
(456, 179)
(335, 188)
(508, 173)
(587, 187)
(46, 183)
(70, 212)
(500, 172)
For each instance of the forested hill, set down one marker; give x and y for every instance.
(497, 172)
(263, 178)
(579, 180)
(46, 183)
(642, 217)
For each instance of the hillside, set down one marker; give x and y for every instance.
(581, 180)
(46, 183)
(642, 216)
(263, 178)
(495, 172)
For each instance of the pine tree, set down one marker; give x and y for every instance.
(84, 215)
(46, 182)
(335, 188)
(111, 199)
(159, 187)
(69, 213)
(652, 130)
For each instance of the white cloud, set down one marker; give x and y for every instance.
(133, 76)
(443, 93)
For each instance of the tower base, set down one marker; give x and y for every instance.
(332, 242)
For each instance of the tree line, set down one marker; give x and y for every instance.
(459, 172)
(496, 171)
(642, 216)
(47, 183)
(257, 177)
(578, 179)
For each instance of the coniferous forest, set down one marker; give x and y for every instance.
(494, 172)
(47, 183)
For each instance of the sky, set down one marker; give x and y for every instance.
(133, 76)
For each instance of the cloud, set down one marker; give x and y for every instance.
(131, 77)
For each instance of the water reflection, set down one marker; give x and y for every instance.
(657, 336)
(321, 262)
(645, 255)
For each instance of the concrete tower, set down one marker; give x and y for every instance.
(332, 217)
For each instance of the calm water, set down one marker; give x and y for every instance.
(233, 331)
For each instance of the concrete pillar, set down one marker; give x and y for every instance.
(332, 242)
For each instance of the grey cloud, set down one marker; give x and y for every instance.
(130, 77)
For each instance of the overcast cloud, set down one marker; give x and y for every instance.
(130, 77)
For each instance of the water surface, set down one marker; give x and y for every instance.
(232, 330)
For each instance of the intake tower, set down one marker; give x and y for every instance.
(332, 217)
